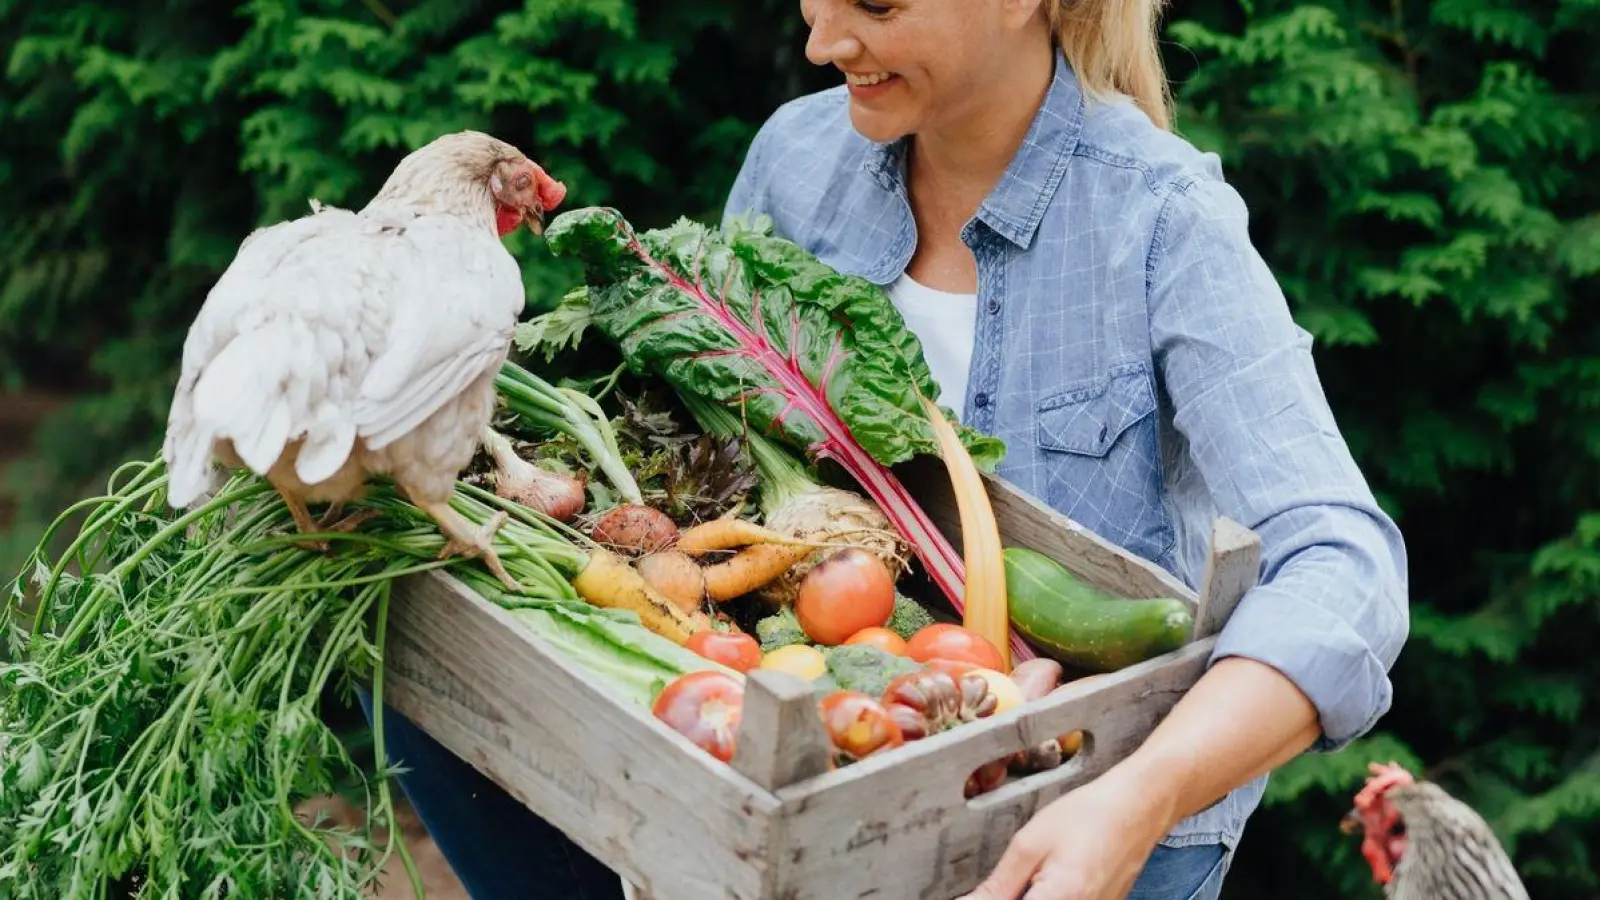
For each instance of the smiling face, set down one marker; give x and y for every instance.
(920, 65)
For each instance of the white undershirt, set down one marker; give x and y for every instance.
(945, 325)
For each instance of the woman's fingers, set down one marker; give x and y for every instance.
(1053, 884)
(1014, 872)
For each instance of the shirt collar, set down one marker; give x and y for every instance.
(1017, 203)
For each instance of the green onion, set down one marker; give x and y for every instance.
(161, 717)
(542, 406)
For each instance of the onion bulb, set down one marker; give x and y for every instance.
(561, 497)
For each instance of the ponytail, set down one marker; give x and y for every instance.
(1112, 46)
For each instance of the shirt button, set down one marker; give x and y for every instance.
(981, 400)
(994, 306)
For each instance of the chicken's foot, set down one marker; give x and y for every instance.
(302, 520)
(331, 520)
(467, 540)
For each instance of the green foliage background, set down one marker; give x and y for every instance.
(1422, 176)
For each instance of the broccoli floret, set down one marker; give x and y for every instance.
(822, 686)
(858, 667)
(780, 629)
(908, 617)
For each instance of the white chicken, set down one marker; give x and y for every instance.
(343, 345)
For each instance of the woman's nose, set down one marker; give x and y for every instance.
(830, 40)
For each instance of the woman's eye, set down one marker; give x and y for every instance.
(872, 9)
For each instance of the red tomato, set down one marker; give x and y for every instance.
(734, 649)
(955, 668)
(848, 591)
(704, 707)
(858, 725)
(880, 637)
(945, 640)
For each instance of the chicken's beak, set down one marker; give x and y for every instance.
(1350, 822)
(534, 216)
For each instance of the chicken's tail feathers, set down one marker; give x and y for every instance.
(255, 392)
(328, 443)
(186, 451)
(190, 474)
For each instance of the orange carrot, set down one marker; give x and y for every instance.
(751, 568)
(724, 534)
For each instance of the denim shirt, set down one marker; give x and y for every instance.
(1140, 361)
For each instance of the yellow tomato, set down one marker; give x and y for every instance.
(799, 660)
(1006, 692)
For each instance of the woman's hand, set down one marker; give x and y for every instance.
(1240, 720)
(1090, 844)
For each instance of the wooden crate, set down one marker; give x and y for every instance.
(775, 823)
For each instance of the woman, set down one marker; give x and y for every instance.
(1086, 289)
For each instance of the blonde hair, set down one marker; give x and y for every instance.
(1112, 46)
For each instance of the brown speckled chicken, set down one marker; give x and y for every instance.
(1424, 844)
(343, 345)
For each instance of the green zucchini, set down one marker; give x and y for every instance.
(1080, 625)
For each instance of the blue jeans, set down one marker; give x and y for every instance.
(502, 851)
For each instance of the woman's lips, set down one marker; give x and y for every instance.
(870, 84)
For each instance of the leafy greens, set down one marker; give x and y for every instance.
(818, 359)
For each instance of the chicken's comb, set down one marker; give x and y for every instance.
(1383, 778)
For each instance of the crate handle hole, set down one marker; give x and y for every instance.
(1085, 748)
(1069, 772)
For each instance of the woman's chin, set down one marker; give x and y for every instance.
(877, 125)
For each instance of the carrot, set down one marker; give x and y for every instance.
(608, 580)
(751, 568)
(984, 595)
(676, 576)
(725, 534)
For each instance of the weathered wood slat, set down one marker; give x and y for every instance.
(1027, 522)
(630, 891)
(896, 827)
(1233, 568)
(629, 790)
(781, 737)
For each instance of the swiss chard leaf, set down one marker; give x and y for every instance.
(742, 316)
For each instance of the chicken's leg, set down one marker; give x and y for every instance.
(302, 518)
(468, 540)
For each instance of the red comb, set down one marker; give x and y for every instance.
(551, 191)
(1383, 778)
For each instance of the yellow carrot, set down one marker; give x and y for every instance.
(676, 577)
(984, 607)
(608, 580)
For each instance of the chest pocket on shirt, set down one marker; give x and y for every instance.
(1100, 448)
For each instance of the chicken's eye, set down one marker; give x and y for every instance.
(522, 181)
(1398, 828)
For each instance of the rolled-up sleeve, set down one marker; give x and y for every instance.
(1330, 611)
